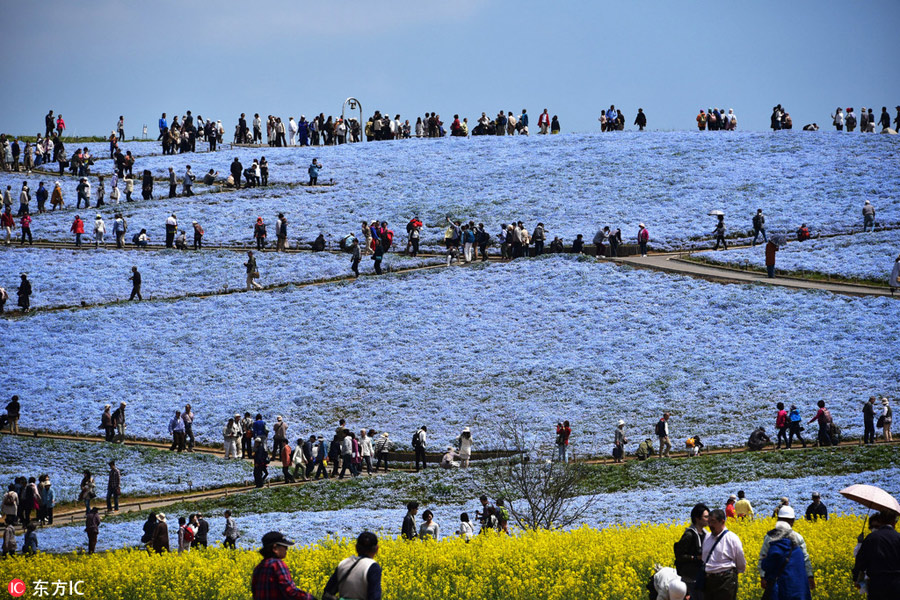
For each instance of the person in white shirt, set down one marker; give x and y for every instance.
(466, 531)
(99, 230)
(723, 559)
(292, 129)
(668, 584)
(365, 449)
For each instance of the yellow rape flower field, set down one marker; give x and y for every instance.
(611, 564)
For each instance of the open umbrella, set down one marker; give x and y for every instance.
(778, 239)
(716, 213)
(871, 497)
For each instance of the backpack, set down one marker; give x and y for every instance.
(660, 428)
(8, 500)
(416, 440)
(827, 415)
(689, 443)
(188, 534)
(756, 222)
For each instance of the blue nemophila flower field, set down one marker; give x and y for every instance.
(540, 340)
(863, 255)
(66, 277)
(572, 183)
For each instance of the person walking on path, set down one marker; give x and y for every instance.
(271, 577)
(886, 418)
(781, 426)
(795, 423)
(279, 437)
(259, 233)
(358, 577)
(78, 229)
(173, 183)
(99, 231)
(8, 223)
(563, 432)
(689, 548)
(823, 418)
(281, 233)
(643, 238)
(188, 417)
(198, 235)
(119, 423)
(868, 213)
(620, 441)
(252, 272)
(92, 528)
(759, 226)
(464, 443)
(785, 568)
(662, 433)
(719, 232)
(420, 440)
(722, 558)
(135, 280)
(355, 257)
(869, 421)
(231, 433)
(113, 488)
(176, 430)
(13, 409)
(382, 447)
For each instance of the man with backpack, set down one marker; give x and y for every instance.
(759, 226)
(662, 433)
(823, 418)
(419, 440)
(784, 563)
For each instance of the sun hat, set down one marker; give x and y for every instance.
(161, 517)
(621, 422)
(677, 590)
(732, 497)
(466, 430)
(786, 512)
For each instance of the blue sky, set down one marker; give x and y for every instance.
(92, 61)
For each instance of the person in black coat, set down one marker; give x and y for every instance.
(25, 294)
(237, 170)
(641, 119)
(408, 530)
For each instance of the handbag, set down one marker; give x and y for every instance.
(335, 595)
(880, 422)
(700, 582)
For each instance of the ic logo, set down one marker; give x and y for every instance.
(16, 588)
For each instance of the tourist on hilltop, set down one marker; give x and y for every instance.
(776, 118)
(252, 272)
(620, 441)
(231, 433)
(578, 244)
(237, 170)
(483, 240)
(781, 425)
(25, 224)
(99, 231)
(723, 559)
(719, 232)
(811, 127)
(279, 436)
(84, 193)
(795, 426)
(785, 568)
(758, 439)
(24, 199)
(56, 197)
(868, 411)
(689, 548)
(543, 122)
(864, 120)
(554, 125)
(106, 423)
(171, 229)
(878, 558)
(701, 120)
(259, 233)
(641, 119)
(850, 119)
(464, 443)
(173, 183)
(563, 433)
(837, 119)
(816, 510)
(408, 529)
(187, 182)
(868, 213)
(382, 447)
(176, 430)
(188, 417)
(198, 235)
(260, 462)
(885, 120)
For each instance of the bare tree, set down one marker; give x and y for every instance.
(542, 493)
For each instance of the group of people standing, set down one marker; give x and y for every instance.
(867, 120)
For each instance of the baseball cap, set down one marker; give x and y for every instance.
(276, 538)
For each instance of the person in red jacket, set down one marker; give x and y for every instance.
(78, 229)
(771, 249)
(803, 233)
(781, 425)
(26, 228)
(8, 224)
